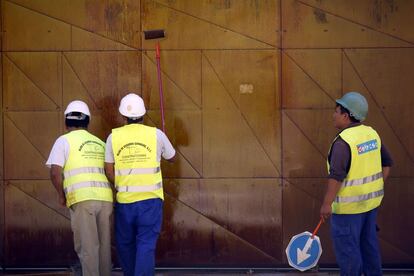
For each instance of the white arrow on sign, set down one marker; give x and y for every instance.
(302, 255)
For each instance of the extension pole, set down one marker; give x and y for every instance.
(158, 58)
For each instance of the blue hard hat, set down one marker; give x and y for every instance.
(356, 104)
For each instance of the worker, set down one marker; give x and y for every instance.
(76, 164)
(132, 162)
(358, 165)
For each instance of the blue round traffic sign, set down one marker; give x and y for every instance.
(303, 251)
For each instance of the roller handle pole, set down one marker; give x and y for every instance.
(158, 58)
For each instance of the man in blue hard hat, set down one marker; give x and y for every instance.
(358, 165)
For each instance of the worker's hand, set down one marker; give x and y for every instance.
(326, 211)
(62, 201)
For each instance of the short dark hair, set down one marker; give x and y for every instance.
(82, 122)
(345, 110)
(134, 121)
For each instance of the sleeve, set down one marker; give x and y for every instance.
(167, 150)
(109, 153)
(386, 160)
(59, 153)
(340, 159)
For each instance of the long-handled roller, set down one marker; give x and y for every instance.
(156, 34)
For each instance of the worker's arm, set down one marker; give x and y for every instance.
(172, 159)
(385, 172)
(110, 172)
(57, 181)
(330, 195)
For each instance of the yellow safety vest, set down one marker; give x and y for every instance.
(137, 170)
(84, 175)
(363, 188)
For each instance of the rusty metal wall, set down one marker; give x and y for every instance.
(249, 94)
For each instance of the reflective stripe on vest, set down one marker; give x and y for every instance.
(141, 188)
(348, 199)
(77, 171)
(360, 181)
(84, 176)
(87, 184)
(137, 169)
(362, 188)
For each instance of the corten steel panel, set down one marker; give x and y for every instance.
(184, 131)
(396, 223)
(37, 230)
(241, 116)
(101, 79)
(1, 127)
(207, 25)
(304, 149)
(181, 76)
(83, 40)
(25, 29)
(28, 139)
(224, 222)
(392, 18)
(302, 198)
(2, 223)
(255, 19)
(311, 78)
(31, 81)
(106, 25)
(305, 25)
(389, 90)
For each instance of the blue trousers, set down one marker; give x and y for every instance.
(137, 228)
(356, 243)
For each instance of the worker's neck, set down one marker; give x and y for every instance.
(69, 129)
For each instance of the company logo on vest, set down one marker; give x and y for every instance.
(367, 146)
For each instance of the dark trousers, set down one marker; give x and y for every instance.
(356, 243)
(137, 228)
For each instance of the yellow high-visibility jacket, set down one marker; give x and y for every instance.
(137, 170)
(363, 188)
(84, 175)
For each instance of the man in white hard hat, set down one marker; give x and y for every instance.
(132, 162)
(76, 164)
(358, 165)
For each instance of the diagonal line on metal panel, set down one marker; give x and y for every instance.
(24, 135)
(175, 83)
(303, 190)
(242, 115)
(308, 75)
(83, 85)
(379, 107)
(303, 133)
(32, 81)
(408, 254)
(58, 19)
(223, 228)
(185, 158)
(357, 23)
(41, 202)
(214, 24)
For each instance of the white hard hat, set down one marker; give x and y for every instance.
(77, 106)
(132, 106)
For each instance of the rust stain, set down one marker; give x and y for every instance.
(112, 12)
(320, 16)
(377, 11)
